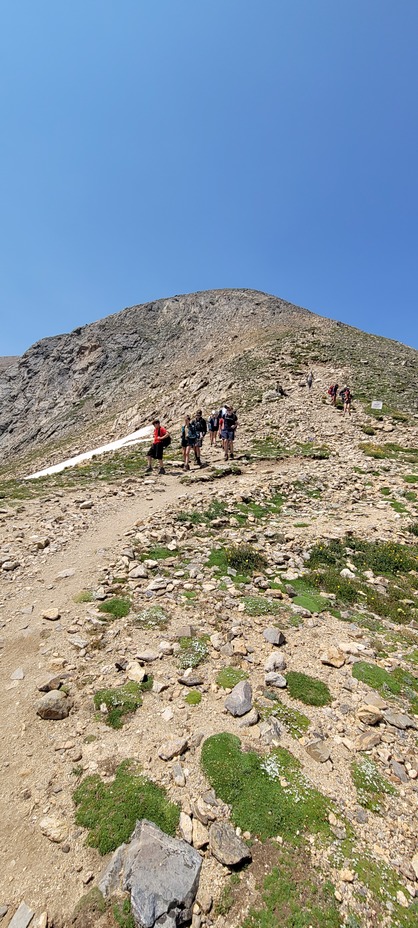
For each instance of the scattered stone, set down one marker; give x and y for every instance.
(370, 715)
(200, 834)
(414, 865)
(22, 917)
(3, 910)
(173, 749)
(186, 827)
(148, 656)
(367, 740)
(347, 876)
(138, 868)
(320, 751)
(53, 829)
(399, 771)
(69, 572)
(178, 775)
(333, 657)
(275, 661)
(251, 718)
(275, 679)
(226, 846)
(239, 701)
(138, 573)
(55, 705)
(135, 672)
(18, 674)
(52, 615)
(274, 636)
(399, 720)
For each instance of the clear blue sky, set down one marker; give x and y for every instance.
(154, 147)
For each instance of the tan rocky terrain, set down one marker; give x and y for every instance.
(310, 532)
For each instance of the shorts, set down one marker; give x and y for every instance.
(156, 451)
(228, 434)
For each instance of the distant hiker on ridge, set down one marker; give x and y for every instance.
(161, 440)
(309, 380)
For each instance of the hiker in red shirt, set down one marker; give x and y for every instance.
(161, 440)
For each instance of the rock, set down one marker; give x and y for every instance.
(226, 846)
(399, 720)
(348, 574)
(52, 615)
(53, 829)
(367, 740)
(274, 636)
(347, 876)
(18, 674)
(370, 715)
(200, 834)
(86, 504)
(334, 657)
(275, 679)
(399, 771)
(186, 827)
(148, 656)
(191, 677)
(205, 901)
(239, 701)
(54, 682)
(173, 748)
(3, 910)
(55, 705)
(178, 775)
(251, 718)
(135, 672)
(138, 867)
(65, 573)
(185, 631)
(22, 917)
(320, 751)
(78, 642)
(138, 573)
(275, 661)
(414, 865)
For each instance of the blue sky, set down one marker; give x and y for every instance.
(154, 147)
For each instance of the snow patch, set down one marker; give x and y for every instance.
(136, 438)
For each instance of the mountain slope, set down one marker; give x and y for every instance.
(157, 357)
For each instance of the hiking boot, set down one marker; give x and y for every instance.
(148, 470)
(187, 466)
(161, 470)
(226, 457)
(231, 456)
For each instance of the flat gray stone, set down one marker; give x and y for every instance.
(274, 636)
(173, 748)
(399, 771)
(226, 846)
(399, 720)
(138, 573)
(161, 873)
(22, 917)
(239, 701)
(320, 751)
(275, 661)
(275, 679)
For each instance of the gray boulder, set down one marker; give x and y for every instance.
(239, 701)
(274, 636)
(161, 873)
(54, 705)
(226, 846)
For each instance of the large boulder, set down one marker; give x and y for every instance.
(226, 846)
(54, 705)
(239, 701)
(161, 873)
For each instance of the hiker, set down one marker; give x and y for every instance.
(195, 439)
(309, 380)
(201, 425)
(333, 392)
(213, 425)
(280, 390)
(221, 414)
(189, 437)
(230, 422)
(347, 398)
(161, 439)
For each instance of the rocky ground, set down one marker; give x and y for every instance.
(164, 547)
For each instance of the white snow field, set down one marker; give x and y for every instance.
(136, 438)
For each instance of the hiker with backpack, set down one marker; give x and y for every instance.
(189, 439)
(333, 392)
(161, 439)
(230, 422)
(309, 380)
(213, 425)
(201, 425)
(346, 396)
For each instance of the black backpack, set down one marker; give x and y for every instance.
(166, 441)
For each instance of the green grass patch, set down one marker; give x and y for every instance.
(122, 914)
(245, 559)
(157, 553)
(228, 677)
(260, 605)
(383, 883)
(194, 651)
(294, 896)
(110, 811)
(85, 596)
(398, 682)
(117, 608)
(120, 702)
(370, 785)
(307, 689)
(151, 617)
(268, 794)
(295, 722)
(193, 698)
(411, 478)
(390, 451)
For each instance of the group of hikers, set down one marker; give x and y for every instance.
(221, 426)
(345, 395)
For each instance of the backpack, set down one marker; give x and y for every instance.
(331, 390)
(166, 441)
